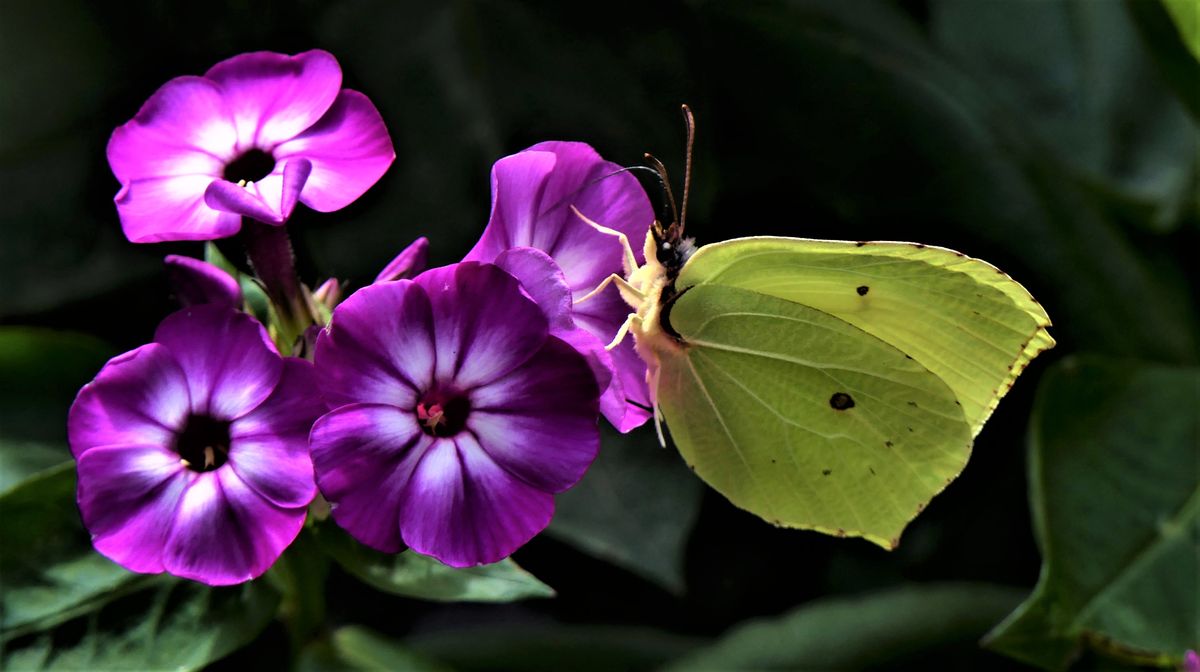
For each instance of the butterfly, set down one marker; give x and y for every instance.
(827, 385)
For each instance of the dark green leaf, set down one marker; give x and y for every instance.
(1077, 72)
(40, 373)
(873, 135)
(357, 648)
(21, 459)
(1186, 16)
(50, 570)
(545, 648)
(1165, 40)
(634, 508)
(172, 624)
(858, 632)
(413, 575)
(1114, 488)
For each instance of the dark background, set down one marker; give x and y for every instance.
(1044, 137)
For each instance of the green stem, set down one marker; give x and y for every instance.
(270, 252)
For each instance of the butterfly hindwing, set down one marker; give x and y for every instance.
(803, 418)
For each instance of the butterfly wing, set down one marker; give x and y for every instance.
(817, 405)
(962, 318)
(803, 418)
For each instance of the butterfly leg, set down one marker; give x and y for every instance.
(633, 319)
(627, 290)
(630, 259)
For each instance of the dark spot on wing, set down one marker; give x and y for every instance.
(841, 401)
(862, 290)
(913, 404)
(826, 472)
(860, 243)
(910, 429)
(889, 444)
(872, 470)
(919, 246)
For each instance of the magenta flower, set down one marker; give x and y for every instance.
(532, 197)
(192, 451)
(198, 282)
(457, 415)
(256, 134)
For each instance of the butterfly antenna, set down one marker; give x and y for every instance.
(626, 169)
(662, 172)
(690, 122)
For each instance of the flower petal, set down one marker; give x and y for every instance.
(249, 200)
(484, 324)
(350, 150)
(128, 496)
(158, 209)
(363, 455)
(532, 206)
(140, 397)
(225, 533)
(269, 445)
(517, 185)
(602, 316)
(229, 361)
(198, 282)
(273, 97)
(541, 278)
(378, 347)
(539, 421)
(408, 264)
(183, 129)
(464, 509)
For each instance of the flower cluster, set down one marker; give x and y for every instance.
(437, 409)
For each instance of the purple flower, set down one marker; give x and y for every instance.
(257, 133)
(408, 264)
(192, 451)
(533, 193)
(198, 282)
(457, 415)
(1191, 662)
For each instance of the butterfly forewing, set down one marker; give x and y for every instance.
(962, 319)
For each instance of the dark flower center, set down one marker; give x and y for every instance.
(251, 166)
(443, 415)
(204, 443)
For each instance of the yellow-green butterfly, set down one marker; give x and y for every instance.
(826, 385)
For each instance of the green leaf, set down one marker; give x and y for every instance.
(50, 570)
(173, 624)
(858, 632)
(357, 648)
(1167, 41)
(21, 459)
(551, 648)
(634, 508)
(411, 574)
(1115, 493)
(1186, 15)
(40, 372)
(1077, 72)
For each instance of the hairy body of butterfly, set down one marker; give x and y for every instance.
(827, 385)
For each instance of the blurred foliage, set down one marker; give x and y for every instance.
(1116, 442)
(921, 623)
(634, 508)
(1055, 138)
(414, 575)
